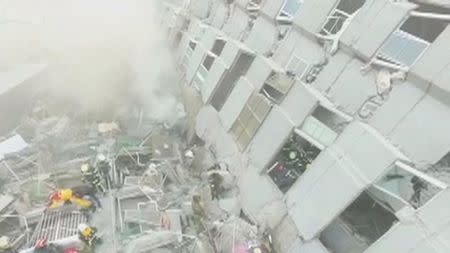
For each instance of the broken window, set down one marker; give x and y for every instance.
(297, 67)
(250, 119)
(276, 87)
(292, 161)
(359, 226)
(343, 13)
(407, 44)
(403, 185)
(218, 47)
(324, 125)
(290, 8)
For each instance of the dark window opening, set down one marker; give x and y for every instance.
(350, 6)
(192, 45)
(218, 47)
(330, 119)
(207, 63)
(425, 28)
(360, 225)
(228, 82)
(292, 161)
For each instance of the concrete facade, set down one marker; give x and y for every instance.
(407, 123)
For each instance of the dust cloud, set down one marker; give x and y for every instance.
(100, 54)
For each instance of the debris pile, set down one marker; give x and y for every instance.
(74, 184)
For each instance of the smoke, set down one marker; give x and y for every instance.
(101, 54)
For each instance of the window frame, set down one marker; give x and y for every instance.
(399, 164)
(252, 116)
(344, 117)
(290, 16)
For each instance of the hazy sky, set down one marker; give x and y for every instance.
(98, 51)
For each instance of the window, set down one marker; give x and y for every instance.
(207, 63)
(292, 161)
(250, 119)
(218, 47)
(324, 125)
(239, 68)
(403, 185)
(343, 13)
(361, 224)
(290, 8)
(189, 51)
(297, 67)
(276, 87)
(407, 44)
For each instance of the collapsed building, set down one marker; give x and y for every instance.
(332, 115)
(303, 126)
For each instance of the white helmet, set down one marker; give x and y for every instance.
(85, 167)
(4, 242)
(101, 157)
(189, 154)
(82, 227)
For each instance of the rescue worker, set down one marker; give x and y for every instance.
(92, 176)
(215, 184)
(88, 235)
(65, 196)
(104, 168)
(87, 192)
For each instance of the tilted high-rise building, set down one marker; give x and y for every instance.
(357, 91)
